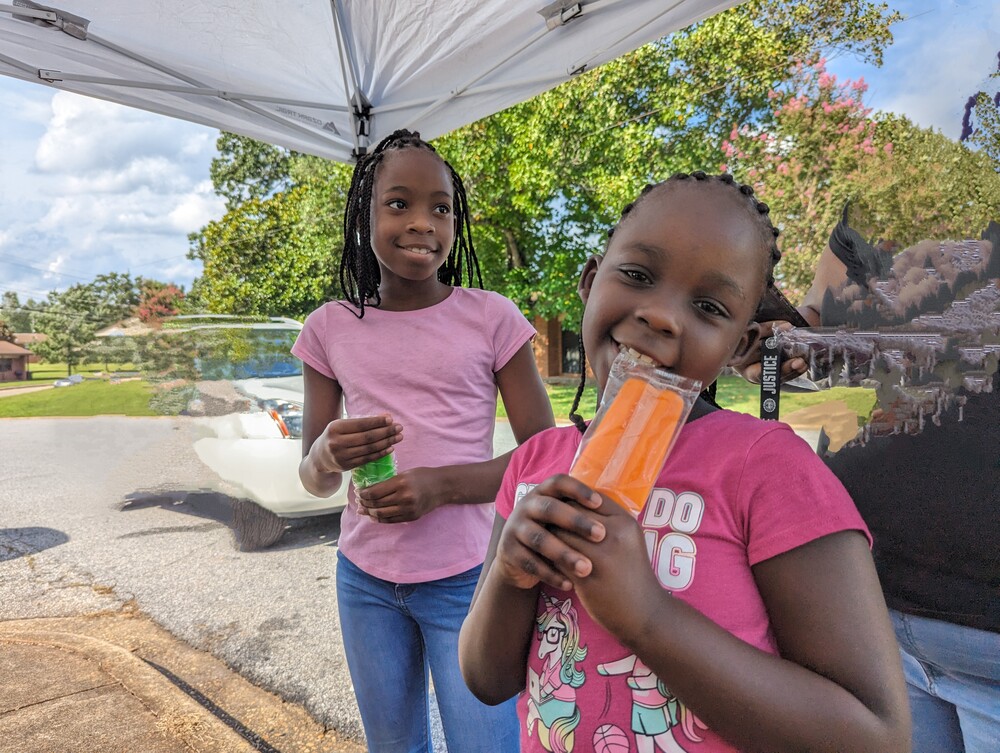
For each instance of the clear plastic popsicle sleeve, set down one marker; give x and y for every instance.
(642, 411)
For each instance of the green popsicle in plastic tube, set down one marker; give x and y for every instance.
(374, 471)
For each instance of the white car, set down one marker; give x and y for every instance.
(239, 381)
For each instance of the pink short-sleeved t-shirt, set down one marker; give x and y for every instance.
(735, 491)
(433, 370)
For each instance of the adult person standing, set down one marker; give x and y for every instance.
(932, 504)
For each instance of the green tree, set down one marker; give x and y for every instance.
(549, 176)
(261, 258)
(117, 295)
(6, 333)
(545, 178)
(11, 311)
(985, 111)
(248, 169)
(69, 325)
(821, 147)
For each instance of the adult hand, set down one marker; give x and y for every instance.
(530, 552)
(347, 443)
(749, 366)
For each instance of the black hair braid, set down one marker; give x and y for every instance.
(575, 417)
(359, 273)
(758, 209)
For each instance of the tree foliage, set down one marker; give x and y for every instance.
(821, 147)
(546, 178)
(18, 317)
(69, 325)
(158, 300)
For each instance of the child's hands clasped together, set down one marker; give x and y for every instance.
(572, 538)
(534, 548)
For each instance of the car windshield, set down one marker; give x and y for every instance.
(218, 353)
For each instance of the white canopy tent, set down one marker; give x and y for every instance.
(326, 77)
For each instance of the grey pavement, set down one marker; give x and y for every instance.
(134, 626)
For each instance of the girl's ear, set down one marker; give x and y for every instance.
(587, 276)
(747, 343)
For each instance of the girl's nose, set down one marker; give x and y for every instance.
(661, 317)
(420, 222)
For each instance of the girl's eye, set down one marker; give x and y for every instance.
(635, 275)
(712, 309)
(396, 203)
(442, 209)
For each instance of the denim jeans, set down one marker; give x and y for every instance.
(393, 633)
(953, 679)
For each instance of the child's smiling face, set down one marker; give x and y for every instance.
(413, 219)
(679, 283)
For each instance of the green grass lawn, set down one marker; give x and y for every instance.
(734, 393)
(47, 373)
(89, 398)
(99, 397)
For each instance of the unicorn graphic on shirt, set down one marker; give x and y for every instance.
(655, 710)
(552, 711)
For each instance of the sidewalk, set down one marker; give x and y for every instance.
(116, 682)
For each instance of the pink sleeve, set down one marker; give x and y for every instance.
(521, 458)
(310, 345)
(788, 497)
(509, 328)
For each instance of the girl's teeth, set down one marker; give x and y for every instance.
(637, 356)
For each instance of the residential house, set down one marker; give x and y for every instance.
(28, 339)
(13, 362)
(557, 351)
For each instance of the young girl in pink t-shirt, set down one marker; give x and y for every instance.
(739, 610)
(415, 361)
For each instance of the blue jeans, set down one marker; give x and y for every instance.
(393, 633)
(953, 678)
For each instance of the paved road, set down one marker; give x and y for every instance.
(11, 391)
(111, 511)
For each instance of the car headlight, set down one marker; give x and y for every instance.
(287, 415)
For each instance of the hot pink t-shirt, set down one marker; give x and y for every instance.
(735, 491)
(434, 371)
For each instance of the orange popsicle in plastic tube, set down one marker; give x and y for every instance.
(623, 450)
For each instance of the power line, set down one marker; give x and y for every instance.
(36, 268)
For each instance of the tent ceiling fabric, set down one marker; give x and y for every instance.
(326, 77)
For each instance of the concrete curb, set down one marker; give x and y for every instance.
(175, 713)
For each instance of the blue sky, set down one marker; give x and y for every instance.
(89, 187)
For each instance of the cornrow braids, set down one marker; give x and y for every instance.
(360, 274)
(757, 209)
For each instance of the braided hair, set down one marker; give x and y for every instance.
(757, 208)
(360, 274)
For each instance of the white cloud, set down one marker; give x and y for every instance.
(95, 187)
(943, 52)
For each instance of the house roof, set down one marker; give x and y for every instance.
(28, 338)
(10, 349)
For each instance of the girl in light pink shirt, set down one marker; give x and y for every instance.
(415, 361)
